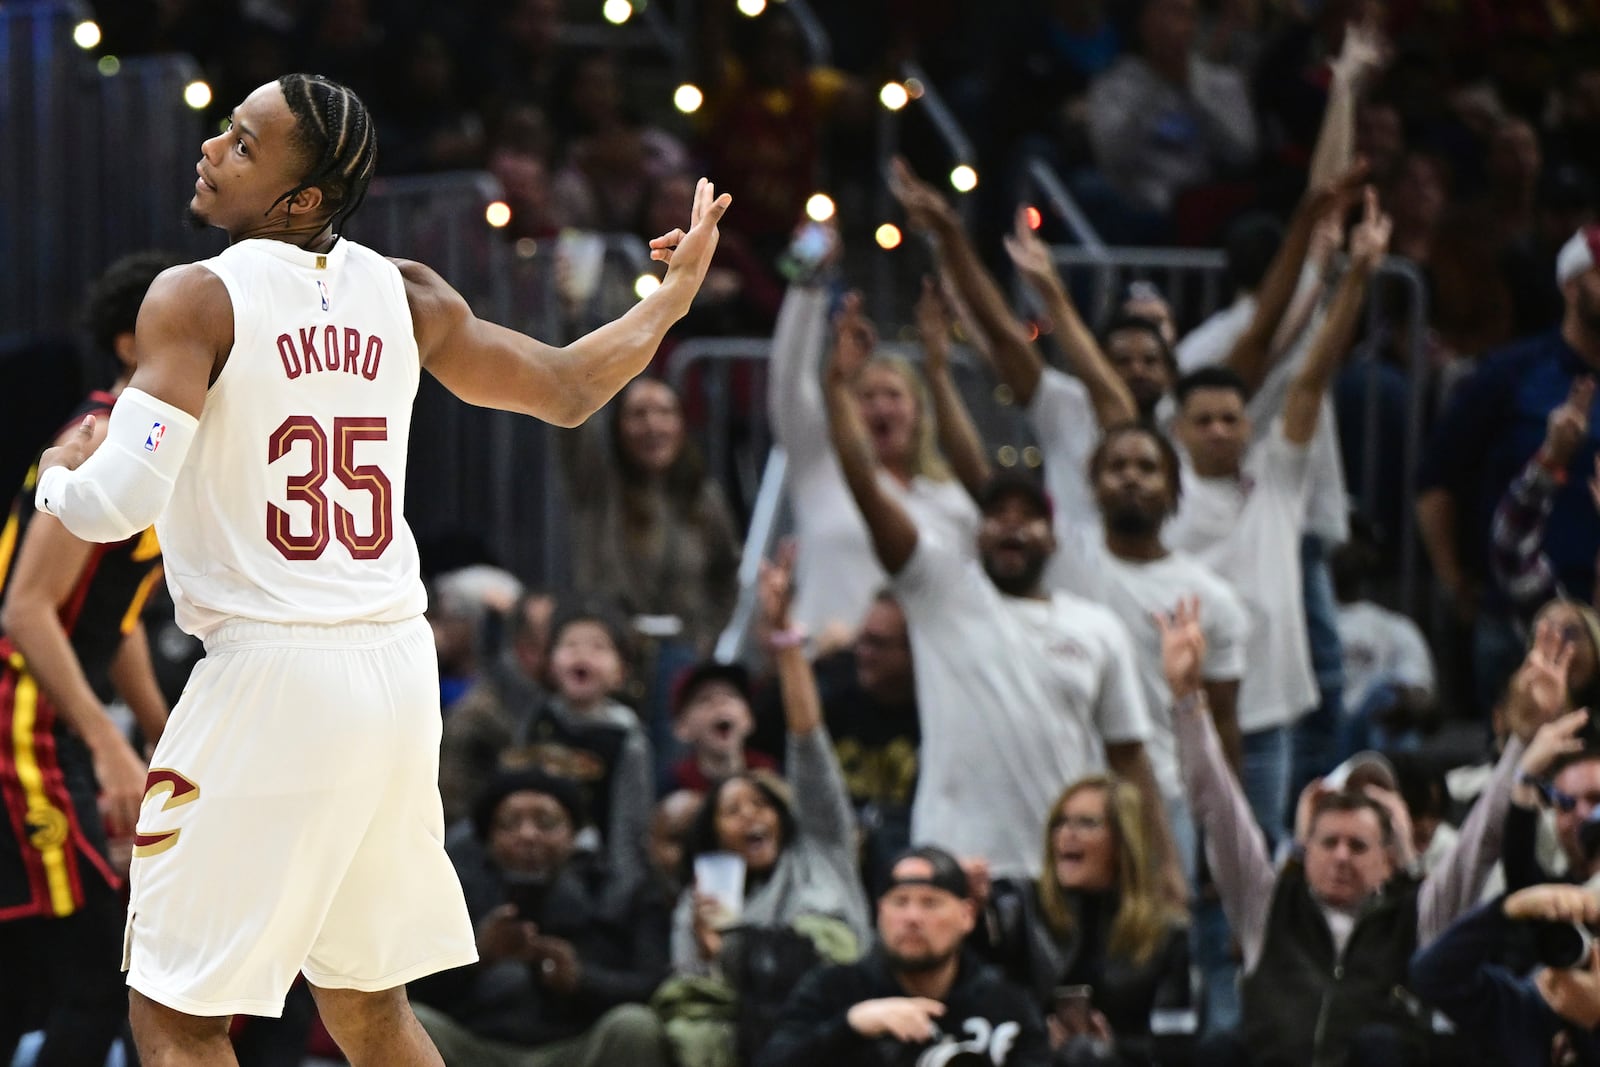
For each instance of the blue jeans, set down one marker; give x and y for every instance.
(1361, 729)
(1315, 734)
(1268, 755)
(1184, 838)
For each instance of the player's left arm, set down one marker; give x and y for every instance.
(185, 325)
(134, 677)
(492, 366)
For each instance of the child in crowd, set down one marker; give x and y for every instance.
(587, 736)
(711, 716)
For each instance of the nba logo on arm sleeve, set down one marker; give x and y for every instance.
(152, 440)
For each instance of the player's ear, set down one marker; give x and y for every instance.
(306, 201)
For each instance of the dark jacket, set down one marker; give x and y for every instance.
(1014, 936)
(621, 947)
(984, 1013)
(1487, 1002)
(1303, 1003)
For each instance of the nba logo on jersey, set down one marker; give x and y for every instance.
(322, 287)
(153, 441)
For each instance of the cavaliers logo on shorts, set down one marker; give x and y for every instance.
(181, 790)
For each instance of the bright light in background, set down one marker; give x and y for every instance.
(616, 12)
(497, 214)
(197, 95)
(86, 34)
(688, 98)
(1035, 220)
(893, 96)
(887, 236)
(645, 284)
(108, 65)
(914, 88)
(751, 8)
(819, 207)
(964, 178)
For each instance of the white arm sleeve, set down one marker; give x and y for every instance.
(124, 486)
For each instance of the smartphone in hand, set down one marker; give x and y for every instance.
(1073, 1007)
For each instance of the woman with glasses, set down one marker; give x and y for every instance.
(1093, 937)
(1560, 770)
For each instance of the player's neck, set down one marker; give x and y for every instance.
(313, 236)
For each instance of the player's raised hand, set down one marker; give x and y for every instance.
(688, 255)
(74, 450)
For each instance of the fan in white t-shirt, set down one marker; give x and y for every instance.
(1020, 691)
(1243, 513)
(1134, 478)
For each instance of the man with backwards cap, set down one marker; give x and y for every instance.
(1495, 421)
(918, 997)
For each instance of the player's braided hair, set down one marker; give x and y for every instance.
(334, 129)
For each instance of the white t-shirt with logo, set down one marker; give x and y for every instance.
(1018, 698)
(1247, 530)
(1380, 647)
(1134, 591)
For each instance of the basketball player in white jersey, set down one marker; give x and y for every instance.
(291, 819)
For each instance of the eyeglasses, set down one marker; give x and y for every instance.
(1087, 824)
(1564, 802)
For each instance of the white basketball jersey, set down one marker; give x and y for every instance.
(290, 507)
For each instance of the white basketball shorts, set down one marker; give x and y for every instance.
(291, 822)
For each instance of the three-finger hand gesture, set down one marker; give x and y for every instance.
(1183, 647)
(688, 254)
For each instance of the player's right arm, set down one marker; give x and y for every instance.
(49, 563)
(492, 366)
(184, 332)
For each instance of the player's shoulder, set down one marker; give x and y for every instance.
(415, 273)
(426, 290)
(189, 289)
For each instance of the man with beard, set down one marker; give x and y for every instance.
(1134, 477)
(1495, 421)
(1020, 690)
(918, 998)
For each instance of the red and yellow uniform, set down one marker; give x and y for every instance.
(51, 836)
